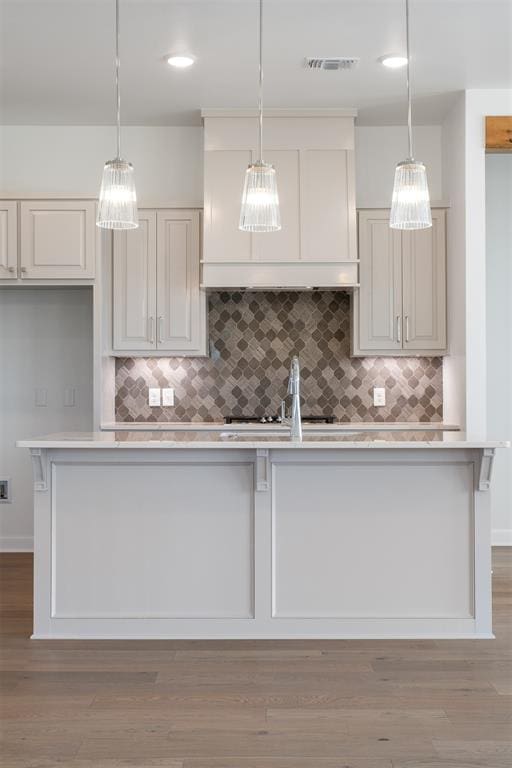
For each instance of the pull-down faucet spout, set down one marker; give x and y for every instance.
(293, 420)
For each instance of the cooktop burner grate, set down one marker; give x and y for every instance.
(276, 419)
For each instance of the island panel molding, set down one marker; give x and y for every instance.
(201, 544)
(305, 586)
(252, 338)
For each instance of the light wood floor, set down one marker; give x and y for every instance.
(300, 704)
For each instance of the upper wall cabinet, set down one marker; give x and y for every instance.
(58, 239)
(400, 307)
(158, 307)
(8, 241)
(313, 153)
(47, 241)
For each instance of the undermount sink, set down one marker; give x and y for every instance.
(282, 431)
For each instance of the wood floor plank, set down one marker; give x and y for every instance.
(474, 749)
(480, 762)
(37, 660)
(286, 762)
(261, 743)
(67, 762)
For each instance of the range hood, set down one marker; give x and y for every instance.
(313, 153)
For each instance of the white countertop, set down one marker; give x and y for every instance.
(238, 440)
(207, 426)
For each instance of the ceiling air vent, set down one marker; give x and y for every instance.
(335, 63)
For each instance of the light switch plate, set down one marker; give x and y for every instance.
(41, 397)
(69, 397)
(154, 396)
(168, 396)
(379, 396)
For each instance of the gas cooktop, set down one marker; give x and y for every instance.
(275, 419)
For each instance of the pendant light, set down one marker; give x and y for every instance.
(117, 208)
(410, 207)
(260, 201)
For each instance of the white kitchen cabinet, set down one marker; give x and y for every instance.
(134, 295)
(313, 153)
(57, 239)
(400, 307)
(179, 299)
(158, 307)
(424, 286)
(8, 241)
(380, 294)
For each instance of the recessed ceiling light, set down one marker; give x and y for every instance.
(393, 61)
(181, 62)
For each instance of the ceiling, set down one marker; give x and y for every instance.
(56, 57)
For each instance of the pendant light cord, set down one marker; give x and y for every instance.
(409, 107)
(260, 94)
(118, 91)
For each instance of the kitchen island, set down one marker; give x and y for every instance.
(233, 534)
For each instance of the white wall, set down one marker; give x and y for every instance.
(379, 149)
(454, 177)
(67, 160)
(37, 160)
(45, 342)
(498, 184)
(479, 103)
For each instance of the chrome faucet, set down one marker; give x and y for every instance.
(293, 420)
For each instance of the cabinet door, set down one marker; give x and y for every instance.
(327, 193)
(224, 173)
(8, 241)
(58, 239)
(424, 286)
(134, 286)
(378, 304)
(181, 305)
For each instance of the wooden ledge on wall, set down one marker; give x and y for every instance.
(498, 133)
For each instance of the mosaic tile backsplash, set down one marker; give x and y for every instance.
(252, 338)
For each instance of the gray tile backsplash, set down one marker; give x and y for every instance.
(252, 337)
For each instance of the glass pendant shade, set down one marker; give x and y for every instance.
(117, 207)
(410, 206)
(260, 201)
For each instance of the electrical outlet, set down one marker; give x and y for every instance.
(69, 397)
(154, 396)
(168, 396)
(5, 490)
(379, 396)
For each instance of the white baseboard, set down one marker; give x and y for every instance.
(16, 544)
(502, 537)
